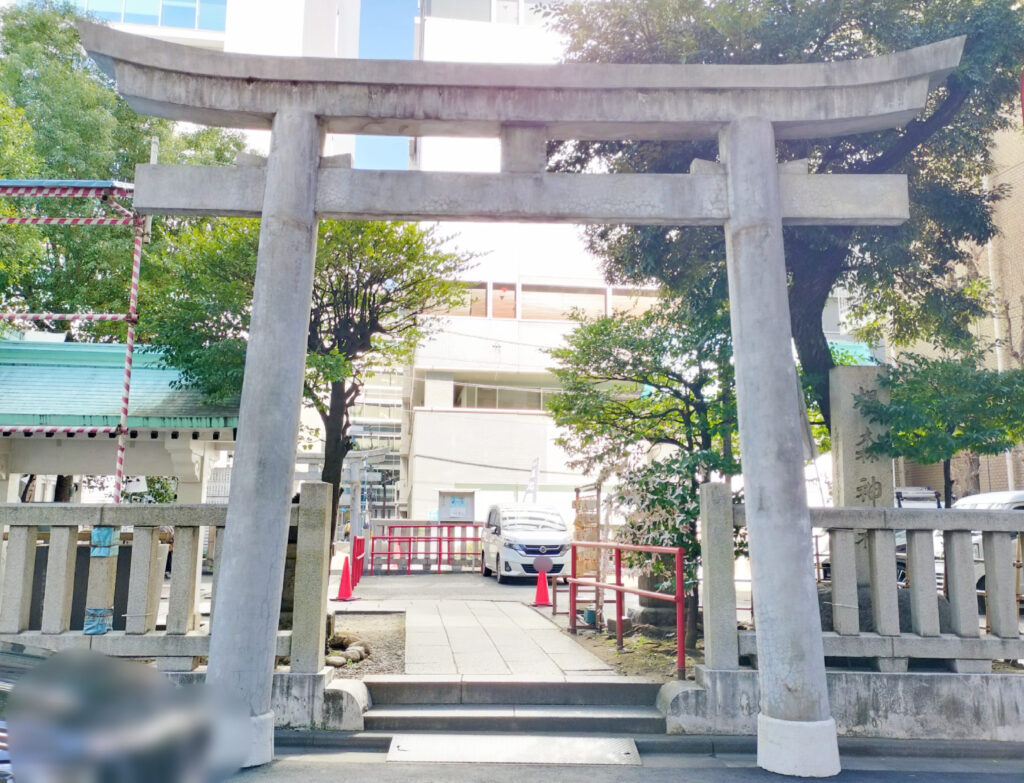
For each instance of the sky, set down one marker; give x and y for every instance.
(385, 33)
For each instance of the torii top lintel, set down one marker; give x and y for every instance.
(573, 101)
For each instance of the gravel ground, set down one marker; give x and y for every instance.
(384, 633)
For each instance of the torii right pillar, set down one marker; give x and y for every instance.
(796, 733)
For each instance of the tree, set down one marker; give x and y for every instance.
(940, 407)
(61, 118)
(661, 379)
(651, 398)
(374, 281)
(904, 280)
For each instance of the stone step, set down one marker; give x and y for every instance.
(483, 689)
(515, 718)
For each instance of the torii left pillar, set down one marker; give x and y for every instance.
(242, 645)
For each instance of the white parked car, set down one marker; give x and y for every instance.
(515, 535)
(989, 501)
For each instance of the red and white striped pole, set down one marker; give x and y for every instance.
(67, 221)
(92, 317)
(129, 350)
(36, 430)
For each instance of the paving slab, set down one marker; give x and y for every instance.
(464, 624)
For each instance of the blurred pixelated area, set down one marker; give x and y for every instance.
(79, 716)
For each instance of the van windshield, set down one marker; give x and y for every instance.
(533, 520)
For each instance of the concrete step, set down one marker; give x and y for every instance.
(483, 689)
(515, 718)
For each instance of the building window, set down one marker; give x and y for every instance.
(503, 300)
(473, 10)
(108, 10)
(179, 13)
(469, 395)
(630, 302)
(212, 14)
(142, 12)
(554, 303)
(476, 302)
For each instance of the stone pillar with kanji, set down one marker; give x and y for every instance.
(859, 478)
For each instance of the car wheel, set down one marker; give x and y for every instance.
(484, 570)
(981, 595)
(502, 579)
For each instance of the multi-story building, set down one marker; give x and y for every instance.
(475, 428)
(310, 28)
(1001, 263)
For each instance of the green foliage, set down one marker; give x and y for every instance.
(197, 294)
(651, 399)
(69, 123)
(373, 282)
(663, 378)
(940, 407)
(159, 489)
(904, 280)
(662, 509)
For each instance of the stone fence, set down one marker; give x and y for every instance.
(865, 612)
(48, 578)
(869, 617)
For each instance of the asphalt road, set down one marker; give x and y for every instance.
(312, 766)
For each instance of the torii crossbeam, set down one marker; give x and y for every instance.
(747, 108)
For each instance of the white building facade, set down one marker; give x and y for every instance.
(475, 429)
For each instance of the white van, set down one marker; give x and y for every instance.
(993, 501)
(514, 535)
(1012, 500)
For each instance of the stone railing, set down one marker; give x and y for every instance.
(48, 578)
(865, 612)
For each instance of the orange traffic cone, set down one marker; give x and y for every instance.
(345, 585)
(542, 598)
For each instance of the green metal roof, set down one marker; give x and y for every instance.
(856, 354)
(65, 183)
(80, 384)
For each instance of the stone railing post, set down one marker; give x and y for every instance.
(718, 562)
(312, 569)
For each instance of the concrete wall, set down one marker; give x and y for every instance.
(489, 453)
(498, 446)
(933, 706)
(492, 345)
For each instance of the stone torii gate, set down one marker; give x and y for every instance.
(747, 108)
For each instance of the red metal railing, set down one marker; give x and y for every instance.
(679, 598)
(421, 546)
(358, 558)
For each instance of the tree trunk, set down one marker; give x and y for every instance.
(970, 480)
(64, 490)
(805, 310)
(947, 482)
(692, 602)
(28, 493)
(813, 274)
(336, 446)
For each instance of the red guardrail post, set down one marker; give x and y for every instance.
(572, 589)
(618, 598)
(680, 615)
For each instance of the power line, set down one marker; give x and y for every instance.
(494, 467)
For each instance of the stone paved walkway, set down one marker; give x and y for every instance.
(490, 630)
